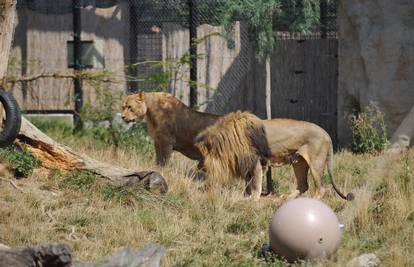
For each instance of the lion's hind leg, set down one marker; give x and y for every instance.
(317, 173)
(301, 169)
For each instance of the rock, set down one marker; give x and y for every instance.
(59, 255)
(104, 123)
(47, 255)
(149, 256)
(376, 62)
(152, 181)
(365, 260)
(404, 134)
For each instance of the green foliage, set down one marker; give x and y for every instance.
(261, 15)
(138, 139)
(298, 15)
(127, 196)
(78, 180)
(22, 161)
(368, 131)
(104, 108)
(404, 177)
(164, 72)
(48, 125)
(106, 104)
(135, 138)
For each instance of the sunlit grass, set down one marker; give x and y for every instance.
(215, 228)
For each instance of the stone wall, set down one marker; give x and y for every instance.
(376, 64)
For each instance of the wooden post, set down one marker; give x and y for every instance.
(7, 17)
(269, 182)
(268, 90)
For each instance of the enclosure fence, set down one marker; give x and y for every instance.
(69, 53)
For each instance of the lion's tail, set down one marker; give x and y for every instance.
(349, 196)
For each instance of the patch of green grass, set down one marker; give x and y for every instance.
(78, 180)
(126, 196)
(135, 138)
(22, 161)
(240, 226)
(53, 126)
(80, 220)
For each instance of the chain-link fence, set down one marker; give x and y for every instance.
(140, 45)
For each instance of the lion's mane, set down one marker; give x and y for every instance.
(233, 145)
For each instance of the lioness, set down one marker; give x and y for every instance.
(238, 143)
(171, 124)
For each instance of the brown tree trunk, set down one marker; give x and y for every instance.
(7, 16)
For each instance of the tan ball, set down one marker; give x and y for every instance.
(304, 228)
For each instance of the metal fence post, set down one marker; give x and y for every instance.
(323, 7)
(193, 53)
(133, 52)
(77, 57)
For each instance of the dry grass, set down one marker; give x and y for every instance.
(215, 228)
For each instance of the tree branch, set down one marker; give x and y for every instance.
(101, 76)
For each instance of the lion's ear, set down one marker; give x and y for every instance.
(140, 95)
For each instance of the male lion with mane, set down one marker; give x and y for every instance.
(239, 143)
(171, 124)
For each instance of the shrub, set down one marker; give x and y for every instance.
(135, 138)
(368, 131)
(22, 161)
(78, 180)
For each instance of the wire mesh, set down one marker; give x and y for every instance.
(155, 44)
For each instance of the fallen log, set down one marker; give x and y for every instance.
(54, 155)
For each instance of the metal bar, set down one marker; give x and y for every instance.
(77, 58)
(323, 5)
(133, 47)
(48, 111)
(193, 53)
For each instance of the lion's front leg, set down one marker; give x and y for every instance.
(163, 150)
(254, 182)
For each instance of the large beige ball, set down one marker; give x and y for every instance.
(304, 228)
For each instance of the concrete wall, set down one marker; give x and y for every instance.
(376, 63)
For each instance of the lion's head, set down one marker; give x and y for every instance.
(232, 146)
(134, 108)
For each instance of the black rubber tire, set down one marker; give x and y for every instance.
(13, 121)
